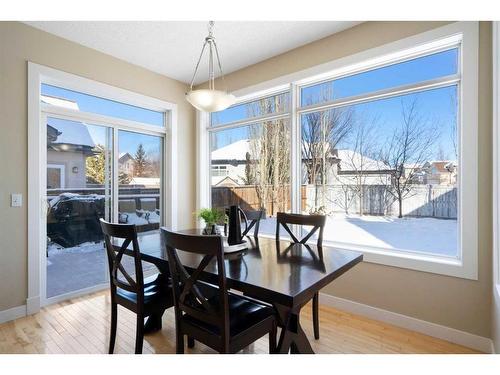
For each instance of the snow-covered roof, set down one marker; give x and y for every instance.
(233, 151)
(146, 181)
(351, 160)
(59, 102)
(72, 132)
(124, 156)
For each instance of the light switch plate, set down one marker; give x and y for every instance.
(16, 200)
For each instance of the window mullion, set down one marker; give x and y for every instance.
(295, 163)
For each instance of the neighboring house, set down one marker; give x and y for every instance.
(354, 168)
(343, 167)
(415, 172)
(227, 182)
(126, 164)
(147, 182)
(441, 172)
(68, 145)
(230, 161)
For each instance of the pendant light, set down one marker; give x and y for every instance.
(210, 100)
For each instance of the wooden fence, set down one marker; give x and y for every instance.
(423, 200)
(246, 197)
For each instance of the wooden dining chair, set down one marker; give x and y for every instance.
(208, 313)
(253, 217)
(145, 297)
(317, 222)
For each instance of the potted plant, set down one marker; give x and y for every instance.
(211, 217)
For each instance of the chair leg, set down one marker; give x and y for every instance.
(139, 335)
(315, 312)
(179, 346)
(190, 342)
(272, 338)
(112, 334)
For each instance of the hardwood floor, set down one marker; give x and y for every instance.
(81, 325)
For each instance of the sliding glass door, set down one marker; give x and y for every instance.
(103, 159)
(78, 193)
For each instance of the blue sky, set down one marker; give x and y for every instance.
(127, 141)
(437, 107)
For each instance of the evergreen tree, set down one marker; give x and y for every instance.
(141, 162)
(95, 166)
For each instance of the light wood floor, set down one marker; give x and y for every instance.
(81, 325)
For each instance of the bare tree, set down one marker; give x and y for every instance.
(268, 165)
(322, 131)
(410, 146)
(359, 159)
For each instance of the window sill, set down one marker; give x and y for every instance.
(419, 262)
(440, 265)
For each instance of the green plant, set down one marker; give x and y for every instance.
(212, 216)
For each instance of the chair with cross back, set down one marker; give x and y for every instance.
(252, 219)
(317, 222)
(208, 313)
(144, 296)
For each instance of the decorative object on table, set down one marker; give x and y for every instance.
(211, 217)
(234, 236)
(210, 100)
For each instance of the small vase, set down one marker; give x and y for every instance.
(211, 229)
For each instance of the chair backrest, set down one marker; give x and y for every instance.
(128, 233)
(316, 221)
(192, 296)
(254, 217)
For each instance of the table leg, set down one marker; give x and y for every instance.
(292, 338)
(153, 323)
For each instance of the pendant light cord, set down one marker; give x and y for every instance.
(210, 39)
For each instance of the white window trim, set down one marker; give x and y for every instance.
(465, 33)
(38, 74)
(496, 158)
(62, 176)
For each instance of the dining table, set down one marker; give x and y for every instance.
(280, 273)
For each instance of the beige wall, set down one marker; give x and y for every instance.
(20, 43)
(495, 330)
(453, 302)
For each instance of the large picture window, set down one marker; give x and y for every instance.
(255, 160)
(385, 148)
(385, 172)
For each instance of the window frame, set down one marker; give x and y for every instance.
(465, 35)
(38, 74)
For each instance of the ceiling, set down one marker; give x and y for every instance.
(172, 48)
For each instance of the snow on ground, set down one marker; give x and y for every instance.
(74, 268)
(146, 217)
(415, 234)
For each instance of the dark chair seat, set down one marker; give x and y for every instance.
(153, 291)
(244, 313)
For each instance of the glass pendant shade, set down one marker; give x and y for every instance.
(210, 100)
(207, 100)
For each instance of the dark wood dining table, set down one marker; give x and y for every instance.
(280, 273)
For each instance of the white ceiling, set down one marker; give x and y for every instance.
(173, 47)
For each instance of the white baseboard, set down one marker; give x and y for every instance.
(456, 336)
(13, 313)
(32, 305)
